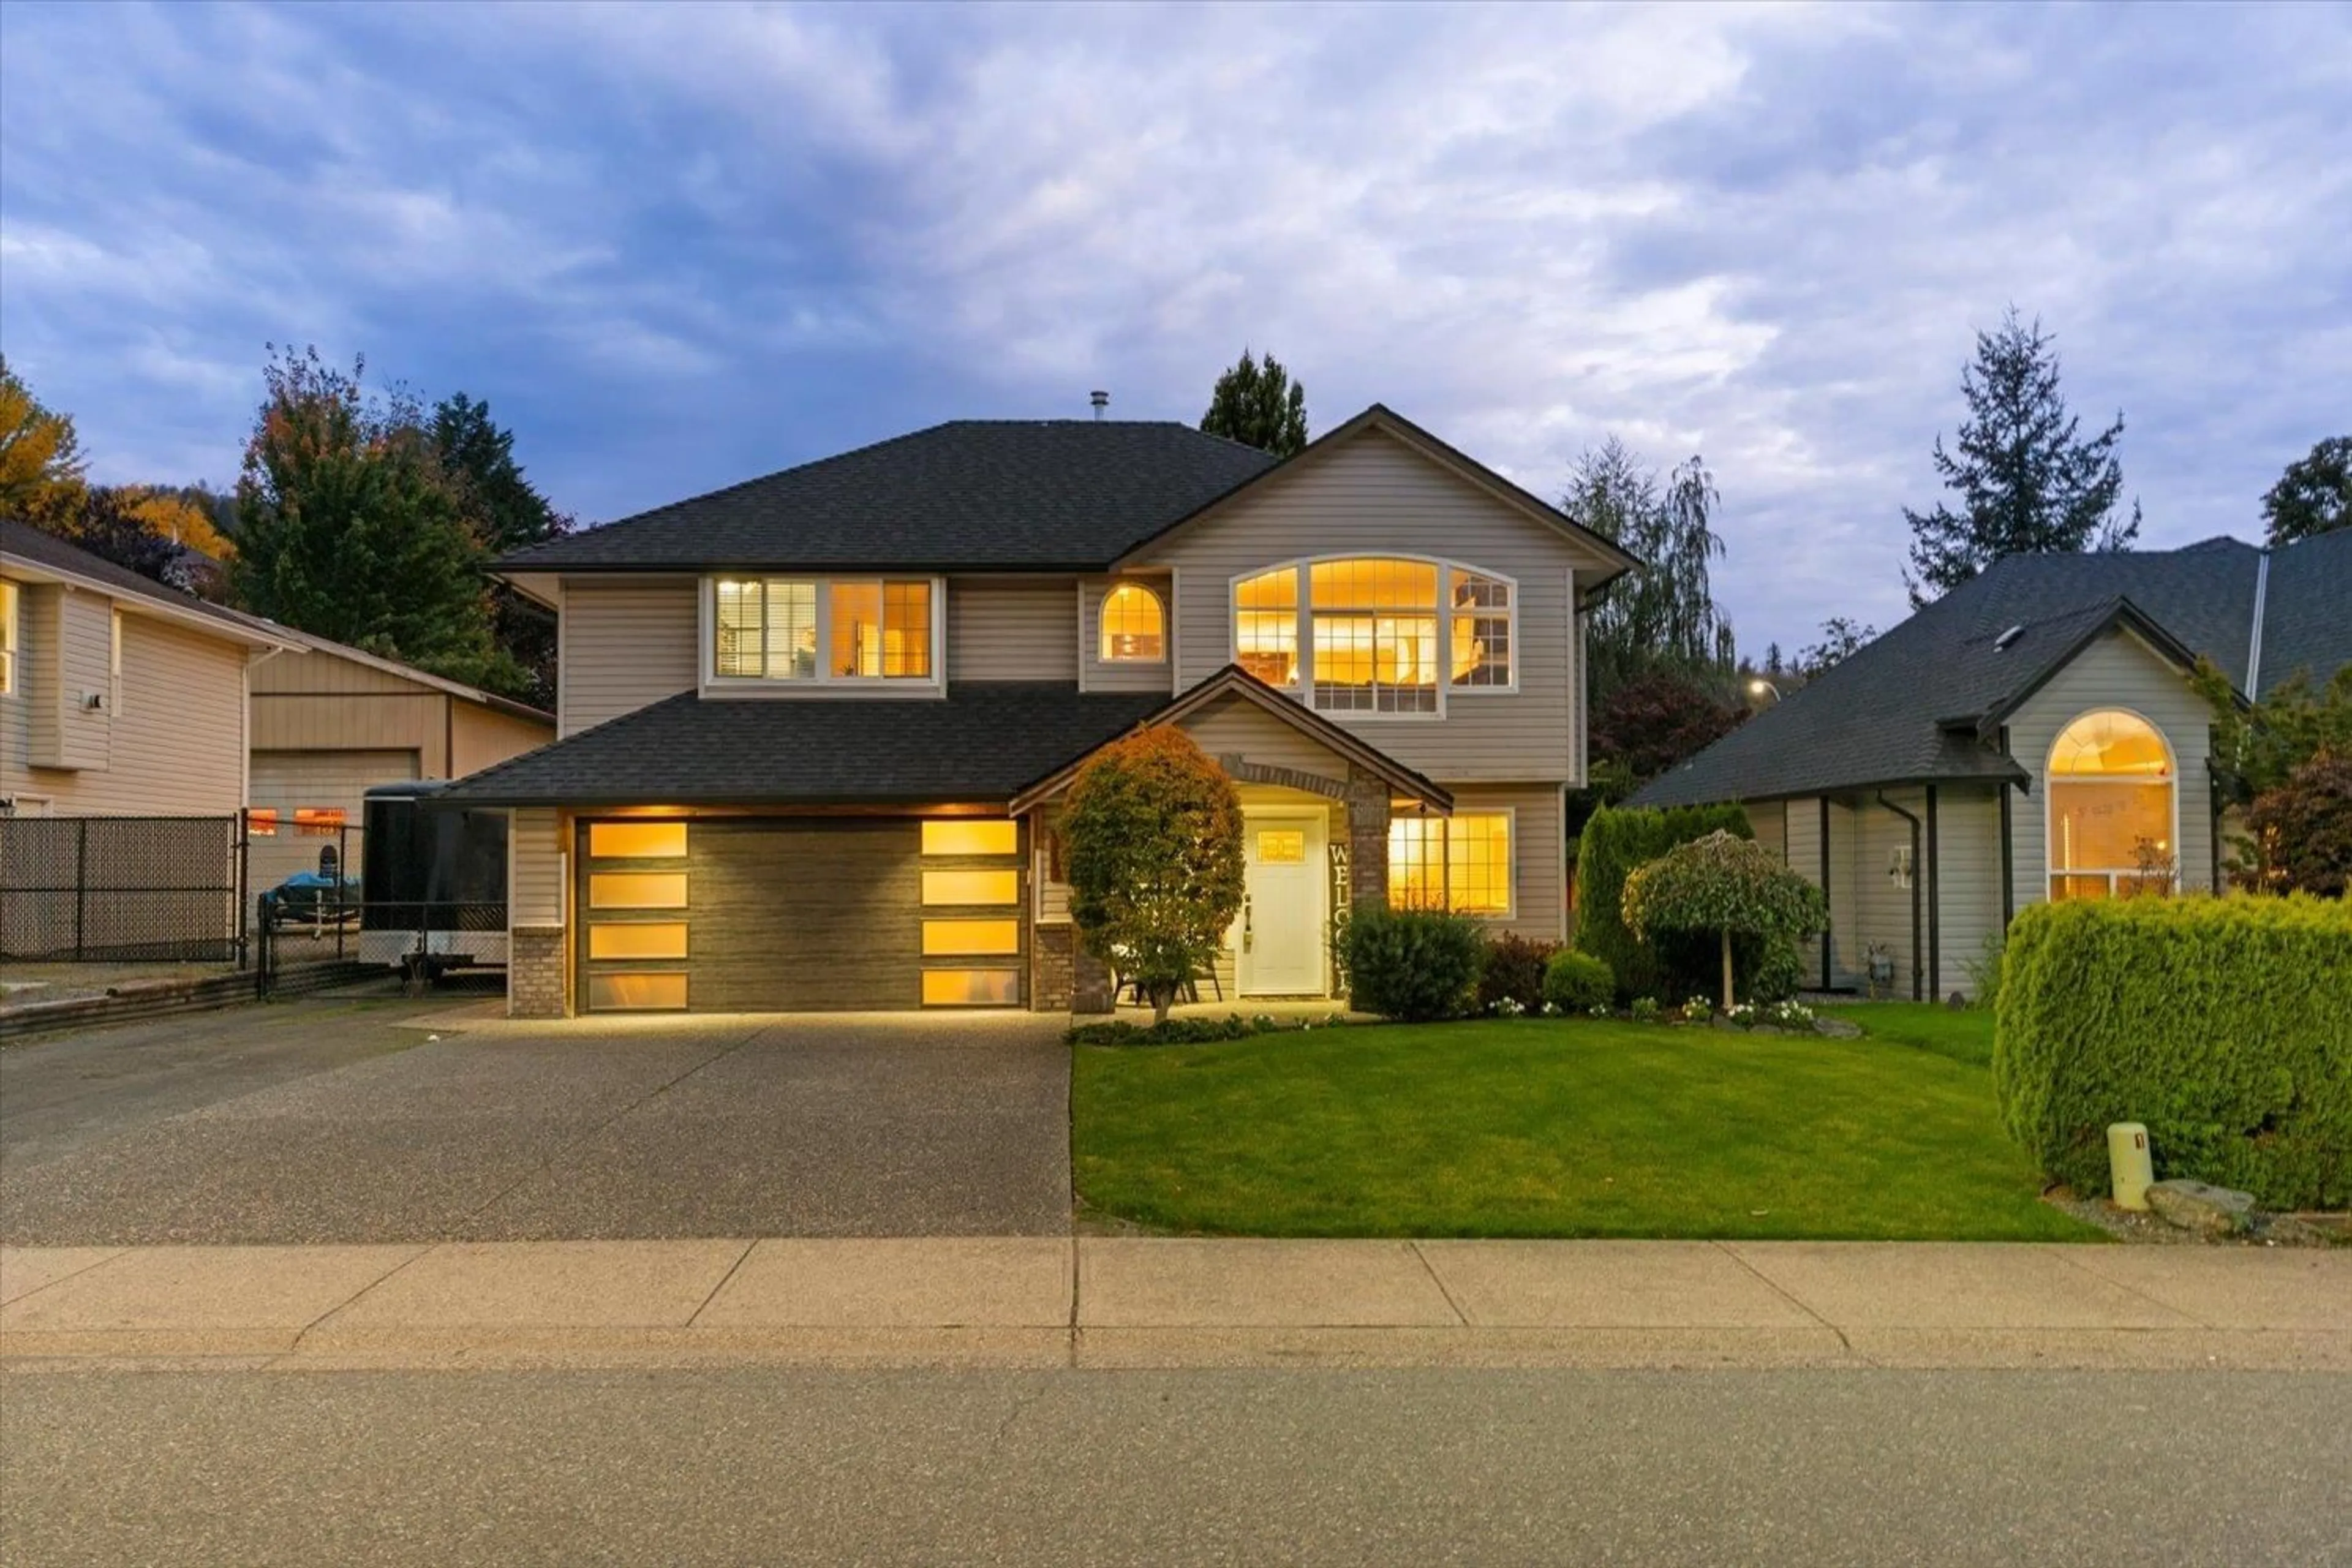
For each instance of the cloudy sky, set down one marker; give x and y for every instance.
(677, 247)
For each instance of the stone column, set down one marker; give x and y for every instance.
(1368, 838)
(1051, 978)
(1089, 981)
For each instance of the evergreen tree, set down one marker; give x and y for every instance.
(349, 525)
(506, 513)
(1841, 636)
(2028, 482)
(1663, 616)
(1259, 406)
(2315, 494)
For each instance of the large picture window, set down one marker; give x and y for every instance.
(820, 630)
(1461, 863)
(2113, 817)
(1377, 634)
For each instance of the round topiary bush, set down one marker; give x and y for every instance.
(1728, 886)
(1577, 981)
(1413, 964)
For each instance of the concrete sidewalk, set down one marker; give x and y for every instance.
(1117, 1302)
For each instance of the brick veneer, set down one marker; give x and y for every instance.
(1050, 977)
(535, 973)
(1368, 838)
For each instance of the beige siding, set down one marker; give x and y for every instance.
(1012, 628)
(1094, 673)
(1847, 937)
(623, 646)
(1800, 823)
(1881, 910)
(171, 743)
(483, 736)
(1770, 820)
(1968, 882)
(2118, 671)
(413, 720)
(1234, 727)
(1375, 494)
(318, 671)
(535, 868)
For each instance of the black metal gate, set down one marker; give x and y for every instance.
(122, 890)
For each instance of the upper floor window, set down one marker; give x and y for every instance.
(2113, 831)
(1134, 627)
(785, 628)
(7, 639)
(1377, 634)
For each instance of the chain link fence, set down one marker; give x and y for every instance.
(122, 890)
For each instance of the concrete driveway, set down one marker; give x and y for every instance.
(330, 1121)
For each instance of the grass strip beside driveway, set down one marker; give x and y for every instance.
(1563, 1128)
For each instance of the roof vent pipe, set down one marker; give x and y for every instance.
(1101, 400)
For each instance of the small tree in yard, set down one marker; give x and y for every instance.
(1153, 834)
(1733, 886)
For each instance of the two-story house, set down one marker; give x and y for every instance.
(815, 727)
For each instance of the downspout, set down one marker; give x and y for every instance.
(1935, 907)
(1829, 935)
(2255, 640)
(2008, 850)
(1918, 978)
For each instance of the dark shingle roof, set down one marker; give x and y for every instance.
(42, 548)
(1906, 708)
(983, 741)
(970, 495)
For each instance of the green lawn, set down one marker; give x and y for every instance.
(1965, 1035)
(1535, 1127)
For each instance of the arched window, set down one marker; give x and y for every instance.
(2114, 817)
(1134, 627)
(1377, 634)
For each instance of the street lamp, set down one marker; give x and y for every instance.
(1759, 686)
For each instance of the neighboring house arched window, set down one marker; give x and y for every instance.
(1376, 634)
(1134, 627)
(2115, 828)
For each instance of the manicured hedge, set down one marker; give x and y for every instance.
(1615, 841)
(1415, 964)
(2225, 1024)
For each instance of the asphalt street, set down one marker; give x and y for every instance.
(766, 1465)
(324, 1122)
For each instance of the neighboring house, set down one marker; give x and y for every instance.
(329, 721)
(817, 727)
(2030, 735)
(118, 697)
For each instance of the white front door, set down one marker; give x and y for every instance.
(1281, 940)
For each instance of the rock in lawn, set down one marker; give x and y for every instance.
(2199, 1207)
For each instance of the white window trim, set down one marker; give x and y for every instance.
(1303, 688)
(822, 683)
(2050, 868)
(1167, 624)
(1510, 912)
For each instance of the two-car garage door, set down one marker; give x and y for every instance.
(798, 914)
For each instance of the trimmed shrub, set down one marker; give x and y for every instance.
(1578, 983)
(1514, 972)
(1415, 964)
(1779, 972)
(1732, 887)
(1187, 1031)
(2225, 1024)
(1616, 842)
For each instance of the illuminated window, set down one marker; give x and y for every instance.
(8, 639)
(766, 628)
(1378, 634)
(1461, 863)
(636, 840)
(1265, 627)
(1482, 630)
(629, 993)
(637, 891)
(638, 941)
(971, 886)
(319, 821)
(261, 822)
(971, 987)
(881, 631)
(1134, 627)
(957, 835)
(2111, 809)
(970, 938)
